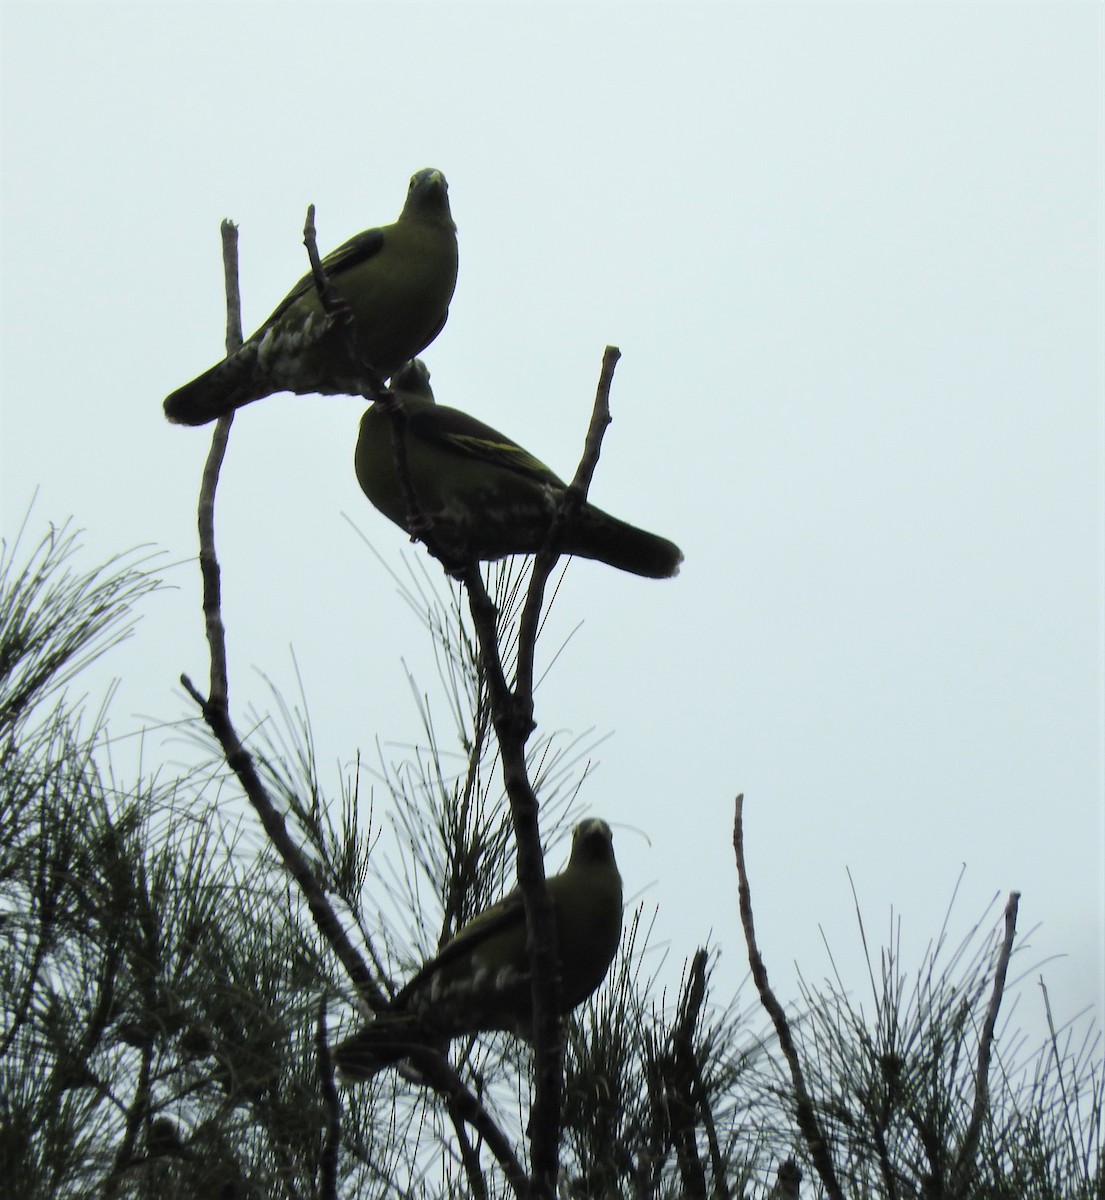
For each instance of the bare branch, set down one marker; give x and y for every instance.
(600, 419)
(229, 233)
(1053, 1040)
(512, 712)
(464, 1105)
(216, 709)
(209, 564)
(696, 996)
(241, 763)
(680, 1080)
(328, 1170)
(965, 1158)
(574, 499)
(469, 1156)
(137, 1112)
(339, 313)
(804, 1111)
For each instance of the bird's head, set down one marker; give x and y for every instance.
(428, 199)
(592, 842)
(413, 379)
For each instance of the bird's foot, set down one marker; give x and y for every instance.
(339, 312)
(389, 401)
(419, 524)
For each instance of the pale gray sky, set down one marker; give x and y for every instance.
(852, 255)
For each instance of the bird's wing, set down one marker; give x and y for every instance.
(504, 914)
(346, 257)
(464, 435)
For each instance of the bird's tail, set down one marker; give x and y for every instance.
(228, 385)
(381, 1043)
(595, 534)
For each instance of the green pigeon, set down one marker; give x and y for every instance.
(480, 979)
(397, 281)
(485, 496)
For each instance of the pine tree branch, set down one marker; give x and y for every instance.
(696, 996)
(1066, 1105)
(464, 1104)
(964, 1164)
(469, 1156)
(512, 712)
(804, 1110)
(215, 708)
(135, 1113)
(229, 232)
(685, 1099)
(239, 760)
(209, 563)
(339, 313)
(328, 1165)
(573, 500)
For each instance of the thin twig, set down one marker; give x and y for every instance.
(239, 760)
(209, 563)
(328, 1166)
(464, 1104)
(229, 232)
(420, 525)
(1053, 1041)
(964, 1163)
(548, 1030)
(804, 1110)
(681, 1079)
(137, 1113)
(332, 304)
(696, 990)
(573, 500)
(339, 313)
(469, 1156)
(484, 621)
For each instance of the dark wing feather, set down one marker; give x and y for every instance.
(463, 434)
(504, 914)
(357, 250)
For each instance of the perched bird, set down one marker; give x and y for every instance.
(787, 1182)
(480, 980)
(485, 496)
(163, 1138)
(397, 281)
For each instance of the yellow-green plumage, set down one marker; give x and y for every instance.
(480, 980)
(484, 495)
(397, 280)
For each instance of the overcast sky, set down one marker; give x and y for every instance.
(852, 255)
